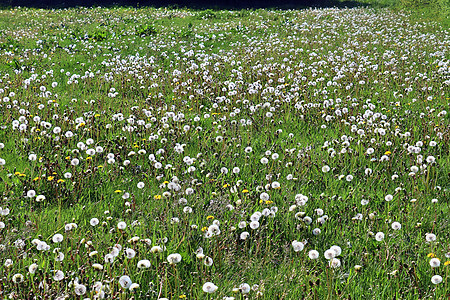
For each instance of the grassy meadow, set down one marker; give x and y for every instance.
(255, 154)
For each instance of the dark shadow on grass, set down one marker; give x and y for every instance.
(192, 4)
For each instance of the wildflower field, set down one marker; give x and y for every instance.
(255, 154)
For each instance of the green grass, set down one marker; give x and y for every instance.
(317, 87)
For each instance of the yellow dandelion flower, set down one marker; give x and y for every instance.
(36, 179)
(97, 115)
(432, 255)
(22, 175)
(210, 218)
(117, 191)
(226, 185)
(157, 197)
(269, 202)
(245, 191)
(447, 263)
(17, 173)
(50, 178)
(60, 180)
(387, 153)
(204, 229)
(88, 158)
